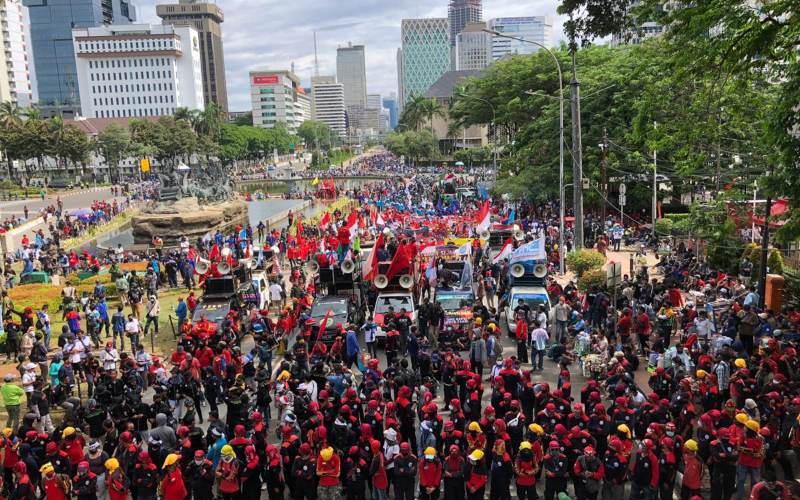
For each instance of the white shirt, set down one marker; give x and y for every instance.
(109, 358)
(389, 452)
(275, 292)
(132, 326)
(74, 350)
(28, 378)
(542, 319)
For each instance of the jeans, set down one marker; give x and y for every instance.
(612, 491)
(535, 353)
(742, 472)
(151, 320)
(643, 492)
(561, 330)
(13, 416)
(121, 336)
(47, 336)
(379, 494)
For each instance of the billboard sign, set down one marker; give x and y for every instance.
(265, 80)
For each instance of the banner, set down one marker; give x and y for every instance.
(530, 251)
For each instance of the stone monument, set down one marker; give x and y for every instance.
(192, 202)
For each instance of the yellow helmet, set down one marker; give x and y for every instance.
(7, 432)
(69, 431)
(430, 452)
(326, 453)
(474, 427)
(691, 445)
(478, 321)
(752, 425)
(525, 445)
(492, 327)
(740, 363)
(47, 468)
(171, 459)
(624, 428)
(227, 450)
(476, 455)
(536, 429)
(112, 464)
(284, 376)
(742, 418)
(701, 374)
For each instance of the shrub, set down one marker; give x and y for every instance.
(592, 278)
(665, 227)
(581, 261)
(775, 261)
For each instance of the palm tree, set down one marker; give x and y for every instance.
(432, 108)
(10, 121)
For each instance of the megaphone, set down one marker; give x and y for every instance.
(348, 266)
(540, 270)
(517, 270)
(247, 263)
(223, 267)
(312, 267)
(519, 235)
(202, 266)
(406, 281)
(484, 235)
(381, 281)
(226, 252)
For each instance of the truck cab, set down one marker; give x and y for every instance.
(534, 296)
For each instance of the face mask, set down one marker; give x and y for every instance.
(198, 462)
(227, 458)
(670, 433)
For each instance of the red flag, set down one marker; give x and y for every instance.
(214, 254)
(400, 261)
(323, 324)
(325, 220)
(483, 218)
(299, 231)
(371, 266)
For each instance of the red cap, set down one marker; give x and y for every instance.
(51, 447)
(239, 429)
(199, 454)
(405, 446)
(554, 444)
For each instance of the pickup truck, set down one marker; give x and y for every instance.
(255, 292)
(397, 300)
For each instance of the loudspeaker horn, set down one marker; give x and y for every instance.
(517, 270)
(248, 263)
(226, 252)
(540, 270)
(202, 266)
(348, 266)
(484, 235)
(223, 268)
(381, 281)
(519, 235)
(406, 281)
(312, 267)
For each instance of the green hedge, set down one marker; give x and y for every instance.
(581, 261)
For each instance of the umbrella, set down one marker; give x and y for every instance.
(459, 164)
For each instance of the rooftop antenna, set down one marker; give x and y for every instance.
(316, 61)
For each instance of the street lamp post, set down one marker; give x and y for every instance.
(561, 247)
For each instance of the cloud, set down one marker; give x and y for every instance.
(260, 34)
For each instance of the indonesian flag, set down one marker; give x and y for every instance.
(379, 221)
(400, 261)
(325, 220)
(505, 252)
(371, 266)
(483, 218)
(352, 224)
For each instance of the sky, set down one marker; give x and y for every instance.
(261, 34)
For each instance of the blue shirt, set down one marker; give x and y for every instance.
(102, 310)
(182, 310)
(215, 451)
(352, 344)
(751, 298)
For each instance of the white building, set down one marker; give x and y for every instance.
(15, 77)
(327, 103)
(534, 28)
(473, 48)
(374, 101)
(274, 98)
(137, 70)
(304, 103)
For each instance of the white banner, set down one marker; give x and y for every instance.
(529, 251)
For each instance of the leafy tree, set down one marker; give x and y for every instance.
(114, 144)
(244, 119)
(316, 134)
(420, 110)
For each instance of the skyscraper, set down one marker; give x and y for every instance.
(327, 103)
(473, 47)
(51, 24)
(206, 19)
(390, 103)
(273, 96)
(15, 81)
(425, 55)
(533, 28)
(351, 71)
(461, 13)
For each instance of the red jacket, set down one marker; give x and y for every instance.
(692, 471)
(329, 471)
(477, 477)
(754, 457)
(173, 486)
(53, 490)
(524, 469)
(430, 473)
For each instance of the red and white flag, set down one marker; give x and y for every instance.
(325, 220)
(505, 252)
(323, 324)
(400, 262)
(484, 217)
(352, 224)
(371, 265)
(379, 221)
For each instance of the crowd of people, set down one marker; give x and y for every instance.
(680, 384)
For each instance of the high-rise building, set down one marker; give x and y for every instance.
(303, 104)
(400, 70)
(351, 71)
(137, 70)
(425, 55)
(15, 78)
(274, 98)
(390, 103)
(644, 29)
(534, 28)
(461, 13)
(51, 24)
(473, 47)
(206, 18)
(327, 103)
(374, 101)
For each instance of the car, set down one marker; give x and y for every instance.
(341, 312)
(255, 292)
(534, 296)
(401, 299)
(218, 299)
